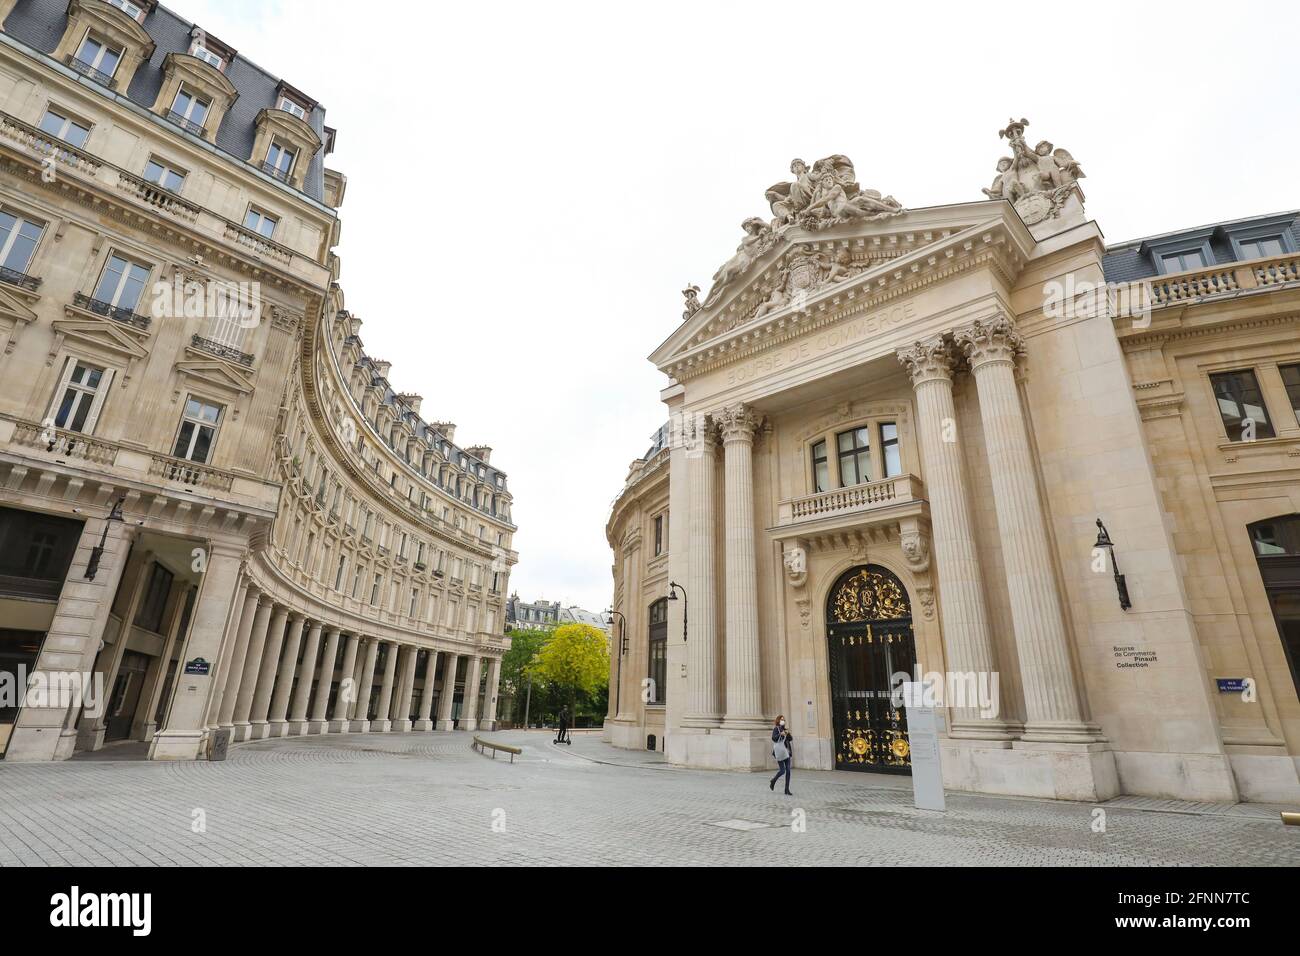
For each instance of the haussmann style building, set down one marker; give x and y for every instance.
(211, 499)
(892, 436)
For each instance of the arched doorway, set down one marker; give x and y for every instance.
(869, 633)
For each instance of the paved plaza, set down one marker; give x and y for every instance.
(428, 799)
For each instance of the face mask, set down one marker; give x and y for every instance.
(783, 723)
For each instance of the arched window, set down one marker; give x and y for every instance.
(658, 664)
(1277, 549)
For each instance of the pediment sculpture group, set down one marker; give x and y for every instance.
(1036, 181)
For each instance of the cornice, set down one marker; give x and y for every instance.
(1159, 337)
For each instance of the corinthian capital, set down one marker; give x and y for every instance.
(994, 339)
(927, 360)
(738, 422)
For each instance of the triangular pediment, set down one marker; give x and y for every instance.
(809, 272)
(14, 308)
(103, 334)
(216, 373)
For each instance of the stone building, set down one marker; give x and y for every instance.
(975, 445)
(534, 615)
(211, 498)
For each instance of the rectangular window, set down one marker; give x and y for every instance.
(190, 111)
(855, 457)
(374, 590)
(164, 175)
(198, 432)
(338, 575)
(1183, 261)
(261, 223)
(1262, 247)
(64, 127)
(1291, 379)
(890, 458)
(207, 56)
(356, 581)
(97, 58)
(279, 161)
(18, 240)
(415, 602)
(289, 106)
(659, 535)
(128, 7)
(821, 470)
(78, 404)
(122, 283)
(1241, 405)
(658, 664)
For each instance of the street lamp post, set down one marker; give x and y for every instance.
(674, 587)
(1103, 541)
(622, 650)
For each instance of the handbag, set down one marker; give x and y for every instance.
(780, 751)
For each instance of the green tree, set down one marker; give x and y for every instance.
(525, 645)
(574, 662)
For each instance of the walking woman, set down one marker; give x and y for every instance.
(783, 751)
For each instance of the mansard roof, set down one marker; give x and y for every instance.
(1137, 258)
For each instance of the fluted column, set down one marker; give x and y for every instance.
(361, 720)
(963, 612)
(1052, 707)
(704, 708)
(489, 721)
(252, 663)
(347, 687)
(744, 681)
(426, 698)
(469, 702)
(277, 716)
(306, 672)
(448, 696)
(406, 686)
(226, 717)
(382, 721)
(317, 723)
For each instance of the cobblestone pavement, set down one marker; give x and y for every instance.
(428, 799)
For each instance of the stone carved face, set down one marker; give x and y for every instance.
(796, 561)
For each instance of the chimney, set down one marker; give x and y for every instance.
(412, 400)
(482, 452)
(447, 428)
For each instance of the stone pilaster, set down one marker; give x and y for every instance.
(402, 703)
(298, 723)
(704, 707)
(1052, 706)
(222, 667)
(963, 613)
(739, 424)
(489, 721)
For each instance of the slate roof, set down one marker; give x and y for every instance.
(1130, 261)
(40, 24)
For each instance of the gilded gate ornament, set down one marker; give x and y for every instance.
(869, 596)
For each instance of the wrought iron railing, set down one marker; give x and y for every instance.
(127, 316)
(85, 69)
(272, 170)
(186, 124)
(221, 350)
(20, 279)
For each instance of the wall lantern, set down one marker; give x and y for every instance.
(1103, 541)
(674, 587)
(97, 552)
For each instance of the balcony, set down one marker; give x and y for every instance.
(858, 505)
(43, 144)
(190, 473)
(125, 316)
(154, 195)
(86, 70)
(1229, 278)
(188, 125)
(222, 351)
(20, 279)
(258, 243)
(64, 445)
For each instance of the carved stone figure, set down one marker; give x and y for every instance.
(1036, 181)
(692, 296)
(787, 200)
(759, 238)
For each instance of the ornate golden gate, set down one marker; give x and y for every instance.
(869, 629)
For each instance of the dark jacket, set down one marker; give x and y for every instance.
(777, 733)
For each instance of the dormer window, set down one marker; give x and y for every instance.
(129, 8)
(1183, 261)
(289, 106)
(190, 111)
(279, 162)
(207, 56)
(97, 59)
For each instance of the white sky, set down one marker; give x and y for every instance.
(531, 185)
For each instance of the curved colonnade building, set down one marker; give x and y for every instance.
(212, 502)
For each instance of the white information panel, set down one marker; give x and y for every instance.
(923, 735)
